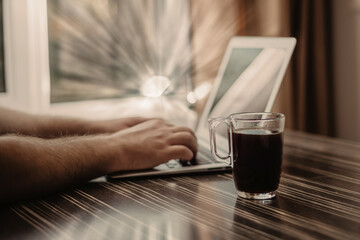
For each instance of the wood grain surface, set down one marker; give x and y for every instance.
(318, 198)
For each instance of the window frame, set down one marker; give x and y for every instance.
(25, 50)
(2, 56)
(27, 67)
(7, 97)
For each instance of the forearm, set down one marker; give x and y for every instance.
(53, 127)
(49, 126)
(17, 122)
(32, 166)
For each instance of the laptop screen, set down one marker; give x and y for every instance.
(248, 80)
(240, 59)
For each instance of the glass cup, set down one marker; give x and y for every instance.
(255, 143)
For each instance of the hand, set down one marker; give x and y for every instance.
(149, 144)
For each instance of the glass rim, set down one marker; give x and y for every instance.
(275, 116)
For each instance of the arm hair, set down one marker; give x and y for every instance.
(31, 166)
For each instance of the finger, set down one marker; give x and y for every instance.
(183, 138)
(183, 129)
(179, 151)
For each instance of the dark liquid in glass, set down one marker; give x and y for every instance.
(257, 160)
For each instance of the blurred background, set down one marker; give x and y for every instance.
(122, 49)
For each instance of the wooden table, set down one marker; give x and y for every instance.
(318, 198)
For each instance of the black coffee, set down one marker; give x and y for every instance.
(257, 160)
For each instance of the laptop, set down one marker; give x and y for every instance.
(248, 80)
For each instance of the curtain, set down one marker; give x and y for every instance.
(312, 70)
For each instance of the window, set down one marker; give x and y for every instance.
(118, 49)
(84, 57)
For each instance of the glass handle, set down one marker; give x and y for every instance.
(213, 123)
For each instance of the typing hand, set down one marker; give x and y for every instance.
(149, 144)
